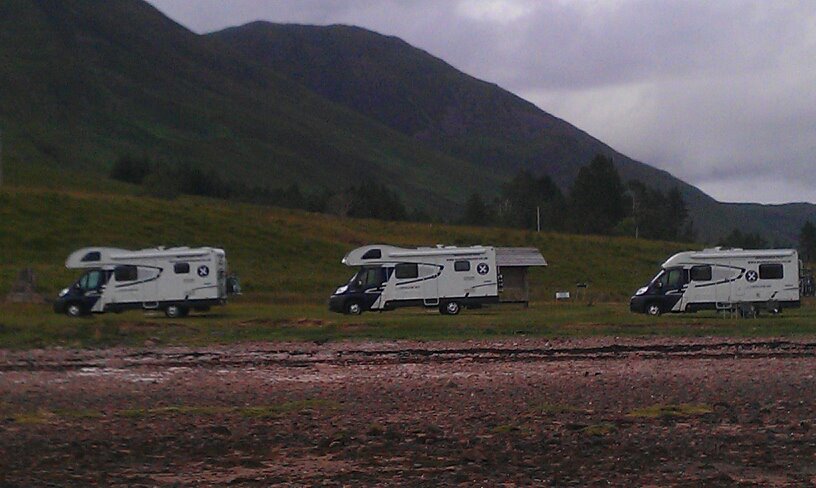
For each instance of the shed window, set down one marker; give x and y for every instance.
(125, 273)
(407, 270)
(92, 257)
(771, 272)
(461, 266)
(701, 273)
(181, 268)
(373, 254)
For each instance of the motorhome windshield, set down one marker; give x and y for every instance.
(355, 276)
(369, 278)
(658, 277)
(90, 280)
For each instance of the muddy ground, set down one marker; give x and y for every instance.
(594, 412)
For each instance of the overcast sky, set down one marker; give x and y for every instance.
(720, 93)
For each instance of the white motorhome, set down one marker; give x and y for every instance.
(447, 278)
(747, 281)
(173, 280)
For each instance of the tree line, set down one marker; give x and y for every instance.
(365, 200)
(754, 240)
(597, 203)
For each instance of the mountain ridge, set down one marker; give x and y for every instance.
(336, 61)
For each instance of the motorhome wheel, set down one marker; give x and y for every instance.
(74, 310)
(174, 311)
(452, 308)
(354, 308)
(654, 309)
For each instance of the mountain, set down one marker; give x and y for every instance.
(428, 100)
(84, 83)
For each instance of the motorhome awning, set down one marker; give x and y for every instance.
(510, 257)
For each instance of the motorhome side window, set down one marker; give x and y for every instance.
(407, 270)
(125, 273)
(701, 273)
(181, 268)
(373, 254)
(374, 277)
(674, 278)
(461, 266)
(771, 272)
(92, 256)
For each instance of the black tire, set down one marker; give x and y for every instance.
(450, 308)
(74, 309)
(746, 311)
(353, 307)
(654, 309)
(174, 311)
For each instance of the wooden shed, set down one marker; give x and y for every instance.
(512, 263)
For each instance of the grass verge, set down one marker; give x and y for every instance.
(28, 327)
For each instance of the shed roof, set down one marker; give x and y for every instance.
(519, 257)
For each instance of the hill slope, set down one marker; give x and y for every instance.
(425, 98)
(84, 83)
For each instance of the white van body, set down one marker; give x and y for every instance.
(173, 280)
(723, 279)
(392, 277)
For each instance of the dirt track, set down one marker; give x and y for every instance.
(594, 412)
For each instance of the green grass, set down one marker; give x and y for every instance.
(672, 410)
(599, 430)
(255, 411)
(44, 416)
(28, 326)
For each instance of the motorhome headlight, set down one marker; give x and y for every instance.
(63, 292)
(641, 291)
(341, 290)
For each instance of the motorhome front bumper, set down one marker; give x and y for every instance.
(336, 303)
(637, 304)
(59, 305)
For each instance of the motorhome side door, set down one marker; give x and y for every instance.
(149, 278)
(414, 281)
(92, 286)
(430, 283)
(725, 277)
(674, 285)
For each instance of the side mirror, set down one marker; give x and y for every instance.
(659, 284)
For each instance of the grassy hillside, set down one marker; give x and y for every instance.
(84, 83)
(285, 256)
